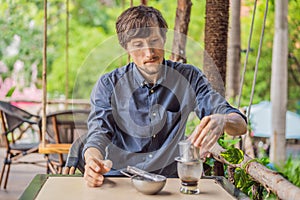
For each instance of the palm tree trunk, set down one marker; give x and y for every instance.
(216, 31)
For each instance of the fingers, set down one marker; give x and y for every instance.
(94, 170)
(94, 164)
(66, 170)
(93, 179)
(72, 170)
(198, 134)
(203, 135)
(107, 165)
(208, 143)
(208, 132)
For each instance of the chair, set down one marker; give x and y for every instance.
(63, 127)
(15, 122)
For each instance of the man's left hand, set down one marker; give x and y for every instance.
(207, 133)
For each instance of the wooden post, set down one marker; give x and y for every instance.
(279, 83)
(67, 55)
(234, 51)
(44, 76)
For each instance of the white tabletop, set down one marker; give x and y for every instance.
(73, 188)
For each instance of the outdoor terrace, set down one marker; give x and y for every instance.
(20, 176)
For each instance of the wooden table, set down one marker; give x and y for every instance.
(118, 188)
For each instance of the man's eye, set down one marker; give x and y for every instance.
(137, 45)
(154, 41)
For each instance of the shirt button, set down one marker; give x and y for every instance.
(153, 114)
(151, 91)
(150, 156)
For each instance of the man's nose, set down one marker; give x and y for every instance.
(149, 51)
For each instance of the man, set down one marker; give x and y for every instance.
(139, 111)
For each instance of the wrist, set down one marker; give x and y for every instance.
(92, 153)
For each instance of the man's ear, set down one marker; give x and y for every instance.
(128, 57)
(127, 51)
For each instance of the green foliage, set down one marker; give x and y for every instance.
(226, 142)
(92, 23)
(294, 50)
(192, 122)
(92, 50)
(291, 170)
(18, 22)
(242, 180)
(91, 13)
(10, 91)
(263, 82)
(233, 155)
(245, 183)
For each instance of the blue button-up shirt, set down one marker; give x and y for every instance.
(138, 124)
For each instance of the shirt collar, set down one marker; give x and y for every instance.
(141, 80)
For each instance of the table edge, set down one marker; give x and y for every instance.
(228, 187)
(37, 183)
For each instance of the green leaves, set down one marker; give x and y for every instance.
(10, 91)
(242, 180)
(228, 143)
(233, 155)
(291, 170)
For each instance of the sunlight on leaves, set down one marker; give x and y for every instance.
(233, 155)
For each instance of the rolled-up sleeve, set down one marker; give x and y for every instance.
(208, 100)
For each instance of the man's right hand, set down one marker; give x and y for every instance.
(95, 167)
(94, 170)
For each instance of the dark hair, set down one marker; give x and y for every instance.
(137, 22)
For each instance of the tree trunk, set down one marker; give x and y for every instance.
(234, 51)
(144, 2)
(182, 20)
(216, 29)
(279, 83)
(271, 180)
